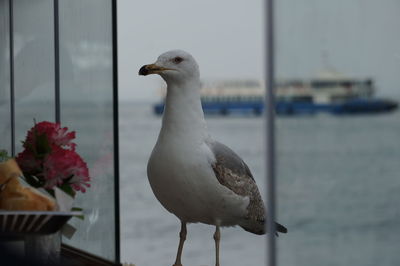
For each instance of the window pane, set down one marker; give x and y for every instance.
(86, 73)
(34, 64)
(5, 131)
(150, 234)
(338, 171)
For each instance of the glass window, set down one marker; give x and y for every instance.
(338, 173)
(78, 41)
(33, 64)
(5, 129)
(227, 50)
(86, 90)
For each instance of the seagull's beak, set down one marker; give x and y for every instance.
(152, 69)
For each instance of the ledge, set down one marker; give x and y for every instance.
(76, 257)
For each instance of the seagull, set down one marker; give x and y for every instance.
(198, 179)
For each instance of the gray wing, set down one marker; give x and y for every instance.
(229, 159)
(233, 173)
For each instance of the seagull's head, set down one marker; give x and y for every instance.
(175, 65)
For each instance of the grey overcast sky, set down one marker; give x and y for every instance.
(359, 38)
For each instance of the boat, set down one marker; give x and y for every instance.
(330, 92)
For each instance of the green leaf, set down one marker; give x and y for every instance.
(33, 181)
(66, 181)
(82, 217)
(67, 189)
(42, 145)
(51, 192)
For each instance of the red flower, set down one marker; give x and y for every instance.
(27, 161)
(62, 166)
(56, 135)
(50, 156)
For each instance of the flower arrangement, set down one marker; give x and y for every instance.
(49, 159)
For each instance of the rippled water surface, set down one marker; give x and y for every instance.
(338, 192)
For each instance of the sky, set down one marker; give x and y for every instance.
(359, 38)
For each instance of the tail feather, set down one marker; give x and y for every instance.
(260, 229)
(280, 228)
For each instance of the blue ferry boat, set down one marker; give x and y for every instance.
(331, 93)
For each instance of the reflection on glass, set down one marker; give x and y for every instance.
(33, 64)
(338, 181)
(5, 132)
(86, 90)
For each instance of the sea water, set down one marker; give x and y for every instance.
(338, 192)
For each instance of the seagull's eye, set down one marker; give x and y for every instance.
(178, 59)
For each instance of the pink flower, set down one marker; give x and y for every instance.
(50, 156)
(62, 166)
(56, 135)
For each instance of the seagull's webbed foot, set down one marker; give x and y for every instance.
(182, 238)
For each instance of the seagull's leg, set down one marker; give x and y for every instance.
(217, 237)
(182, 238)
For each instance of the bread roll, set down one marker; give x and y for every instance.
(9, 169)
(16, 197)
